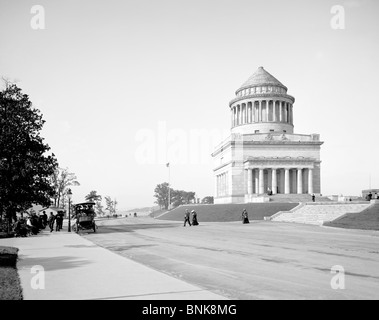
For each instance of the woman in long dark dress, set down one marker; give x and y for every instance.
(194, 218)
(245, 217)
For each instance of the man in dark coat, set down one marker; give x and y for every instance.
(59, 221)
(187, 218)
(51, 222)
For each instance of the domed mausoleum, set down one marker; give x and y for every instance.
(263, 155)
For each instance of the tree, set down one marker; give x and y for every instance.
(99, 209)
(207, 200)
(110, 205)
(161, 195)
(61, 179)
(180, 197)
(93, 196)
(25, 165)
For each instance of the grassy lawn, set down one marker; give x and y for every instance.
(365, 220)
(10, 286)
(229, 212)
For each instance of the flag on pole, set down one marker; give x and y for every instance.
(167, 164)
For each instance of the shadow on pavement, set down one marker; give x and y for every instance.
(124, 248)
(81, 246)
(51, 263)
(102, 229)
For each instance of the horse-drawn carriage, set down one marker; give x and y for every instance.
(84, 214)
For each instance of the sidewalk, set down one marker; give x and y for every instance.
(77, 269)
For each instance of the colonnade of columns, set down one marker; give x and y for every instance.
(222, 184)
(280, 180)
(262, 111)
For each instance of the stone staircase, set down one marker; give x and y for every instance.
(318, 213)
(296, 198)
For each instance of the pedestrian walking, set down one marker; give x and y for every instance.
(59, 221)
(51, 221)
(313, 197)
(194, 218)
(44, 219)
(187, 218)
(245, 216)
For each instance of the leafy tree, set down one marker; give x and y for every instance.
(99, 209)
(111, 205)
(61, 179)
(180, 197)
(161, 195)
(25, 165)
(207, 200)
(93, 196)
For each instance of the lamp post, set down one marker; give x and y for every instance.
(69, 195)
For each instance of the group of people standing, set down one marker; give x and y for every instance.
(57, 220)
(187, 217)
(33, 224)
(371, 196)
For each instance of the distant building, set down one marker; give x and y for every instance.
(263, 154)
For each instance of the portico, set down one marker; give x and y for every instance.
(284, 180)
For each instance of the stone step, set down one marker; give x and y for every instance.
(319, 213)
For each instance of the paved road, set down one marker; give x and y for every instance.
(262, 260)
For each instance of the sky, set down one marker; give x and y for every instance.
(126, 86)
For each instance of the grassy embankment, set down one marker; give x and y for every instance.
(365, 220)
(10, 286)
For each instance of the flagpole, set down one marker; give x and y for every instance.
(169, 192)
(169, 195)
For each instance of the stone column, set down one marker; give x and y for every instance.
(273, 110)
(256, 182)
(299, 181)
(261, 182)
(260, 111)
(274, 182)
(286, 181)
(310, 181)
(291, 114)
(267, 109)
(250, 181)
(217, 187)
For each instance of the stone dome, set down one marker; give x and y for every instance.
(261, 78)
(262, 106)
